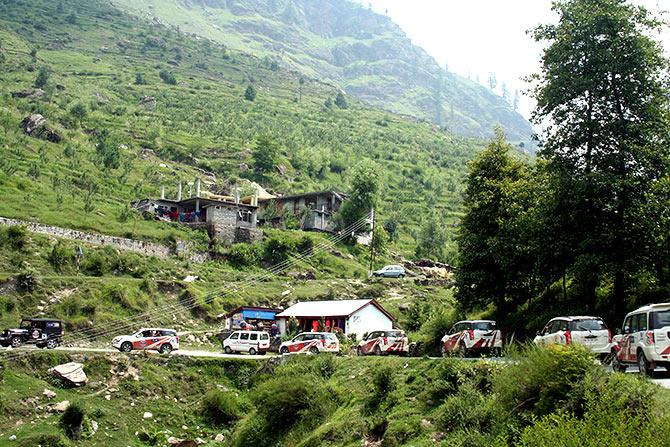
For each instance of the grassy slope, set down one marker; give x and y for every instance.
(202, 122)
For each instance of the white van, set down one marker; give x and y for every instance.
(253, 342)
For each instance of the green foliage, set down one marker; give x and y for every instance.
(220, 408)
(265, 154)
(107, 148)
(341, 101)
(278, 249)
(244, 255)
(44, 441)
(250, 93)
(139, 79)
(383, 386)
(61, 256)
(78, 111)
(42, 78)
(72, 420)
(432, 240)
(27, 281)
(363, 195)
(167, 76)
(16, 237)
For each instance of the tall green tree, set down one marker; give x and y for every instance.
(603, 92)
(265, 154)
(363, 194)
(432, 240)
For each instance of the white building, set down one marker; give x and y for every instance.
(350, 316)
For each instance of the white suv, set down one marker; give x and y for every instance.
(473, 337)
(384, 343)
(253, 342)
(311, 343)
(644, 339)
(591, 332)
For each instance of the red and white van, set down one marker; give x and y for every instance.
(384, 343)
(157, 339)
(644, 339)
(253, 342)
(591, 332)
(312, 343)
(473, 337)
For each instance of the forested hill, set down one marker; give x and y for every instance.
(350, 46)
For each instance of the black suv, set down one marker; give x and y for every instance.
(42, 332)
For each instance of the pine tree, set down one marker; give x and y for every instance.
(250, 93)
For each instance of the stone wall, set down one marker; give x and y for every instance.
(229, 234)
(137, 246)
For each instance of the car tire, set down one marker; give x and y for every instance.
(16, 342)
(463, 350)
(643, 365)
(227, 350)
(165, 348)
(401, 276)
(314, 350)
(252, 351)
(359, 351)
(262, 352)
(283, 350)
(617, 366)
(126, 346)
(51, 344)
(377, 350)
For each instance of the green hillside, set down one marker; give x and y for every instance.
(343, 43)
(121, 139)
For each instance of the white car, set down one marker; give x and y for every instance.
(591, 332)
(157, 339)
(253, 342)
(644, 340)
(390, 271)
(312, 343)
(384, 343)
(473, 337)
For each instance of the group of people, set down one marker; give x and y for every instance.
(172, 214)
(259, 326)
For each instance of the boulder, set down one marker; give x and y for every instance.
(61, 406)
(29, 93)
(35, 125)
(72, 373)
(148, 102)
(48, 393)
(219, 438)
(147, 415)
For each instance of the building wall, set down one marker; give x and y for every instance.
(368, 319)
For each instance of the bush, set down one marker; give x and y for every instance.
(305, 246)
(278, 249)
(60, 257)
(437, 325)
(220, 408)
(96, 263)
(16, 237)
(44, 441)
(244, 255)
(26, 281)
(401, 429)
(72, 420)
(250, 93)
(543, 380)
(468, 409)
(168, 77)
(383, 385)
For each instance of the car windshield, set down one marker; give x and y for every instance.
(395, 334)
(484, 326)
(660, 319)
(587, 325)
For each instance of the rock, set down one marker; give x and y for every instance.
(285, 293)
(35, 126)
(61, 406)
(190, 338)
(282, 169)
(32, 93)
(100, 98)
(94, 426)
(148, 102)
(48, 393)
(200, 441)
(147, 415)
(108, 397)
(70, 372)
(302, 276)
(174, 441)
(218, 438)
(243, 167)
(190, 278)
(12, 438)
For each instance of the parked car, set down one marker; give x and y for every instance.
(42, 332)
(591, 332)
(253, 342)
(311, 342)
(384, 343)
(390, 271)
(156, 339)
(644, 340)
(470, 337)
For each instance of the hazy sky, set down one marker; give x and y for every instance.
(476, 37)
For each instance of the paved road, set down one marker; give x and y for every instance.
(178, 353)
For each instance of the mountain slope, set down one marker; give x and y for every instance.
(341, 42)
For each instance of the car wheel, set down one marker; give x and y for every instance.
(359, 351)
(401, 276)
(443, 351)
(262, 353)
(283, 350)
(314, 350)
(126, 346)
(643, 364)
(227, 350)
(462, 350)
(377, 350)
(497, 352)
(51, 344)
(16, 342)
(165, 348)
(252, 351)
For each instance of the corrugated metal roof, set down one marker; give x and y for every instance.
(335, 308)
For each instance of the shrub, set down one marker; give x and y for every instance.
(305, 246)
(26, 281)
(96, 263)
(383, 385)
(543, 380)
(44, 441)
(42, 77)
(60, 257)
(447, 381)
(466, 409)
(401, 429)
(437, 325)
(284, 401)
(17, 238)
(243, 255)
(72, 421)
(250, 93)
(168, 77)
(278, 249)
(220, 408)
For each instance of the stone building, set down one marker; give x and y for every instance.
(228, 219)
(315, 209)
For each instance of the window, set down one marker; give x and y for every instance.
(485, 326)
(659, 319)
(587, 325)
(53, 324)
(265, 337)
(626, 324)
(168, 333)
(244, 336)
(300, 337)
(146, 334)
(634, 324)
(395, 334)
(642, 322)
(253, 337)
(235, 336)
(331, 337)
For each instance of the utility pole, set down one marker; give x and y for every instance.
(372, 241)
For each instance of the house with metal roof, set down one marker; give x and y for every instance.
(315, 210)
(348, 316)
